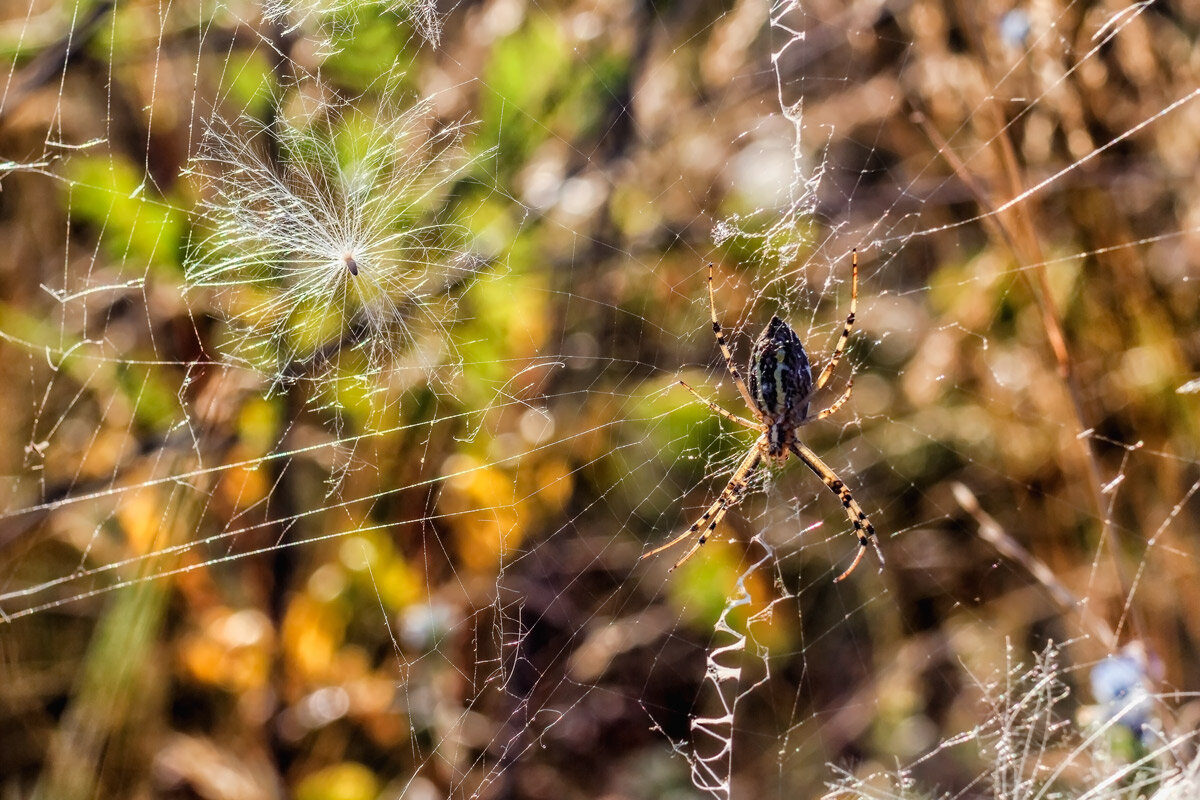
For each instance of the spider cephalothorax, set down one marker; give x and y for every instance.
(781, 385)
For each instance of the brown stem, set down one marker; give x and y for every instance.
(1016, 229)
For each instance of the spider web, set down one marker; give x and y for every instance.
(341, 345)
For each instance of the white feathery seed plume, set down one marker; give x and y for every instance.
(337, 242)
(332, 21)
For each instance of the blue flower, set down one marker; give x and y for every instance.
(1119, 686)
(1014, 29)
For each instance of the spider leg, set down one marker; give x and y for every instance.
(729, 498)
(827, 372)
(745, 423)
(841, 401)
(733, 370)
(862, 526)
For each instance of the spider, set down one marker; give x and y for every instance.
(779, 391)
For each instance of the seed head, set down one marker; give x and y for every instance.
(340, 241)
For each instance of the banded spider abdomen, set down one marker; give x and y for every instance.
(781, 383)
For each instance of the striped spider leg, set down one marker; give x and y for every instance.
(778, 394)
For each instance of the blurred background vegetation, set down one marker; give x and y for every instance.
(254, 544)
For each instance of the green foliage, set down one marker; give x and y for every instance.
(112, 196)
(378, 45)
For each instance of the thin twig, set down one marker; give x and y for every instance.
(992, 533)
(1015, 228)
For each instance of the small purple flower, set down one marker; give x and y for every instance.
(1119, 686)
(1014, 29)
